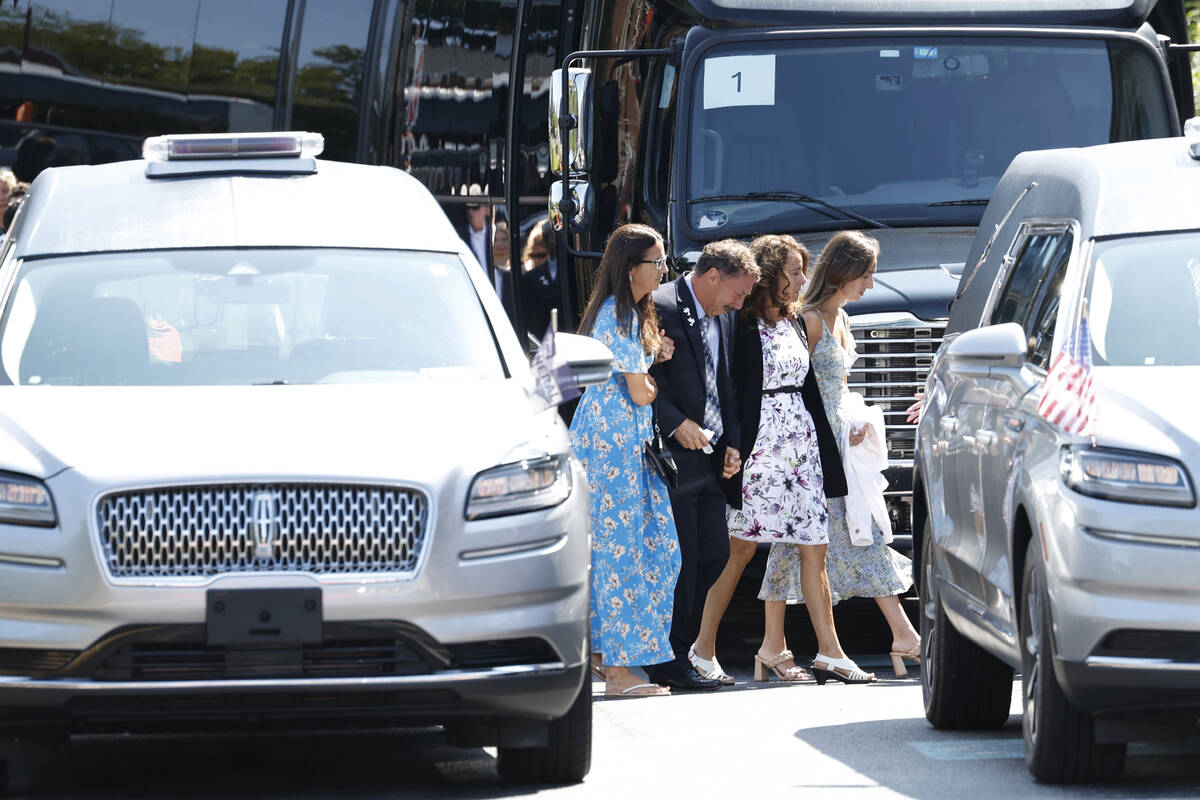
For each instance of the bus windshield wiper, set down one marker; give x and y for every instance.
(793, 197)
(974, 201)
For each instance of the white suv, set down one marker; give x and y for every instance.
(271, 451)
(1072, 558)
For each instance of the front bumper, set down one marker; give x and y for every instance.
(536, 692)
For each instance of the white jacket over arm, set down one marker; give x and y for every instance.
(864, 464)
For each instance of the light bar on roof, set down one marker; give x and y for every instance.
(188, 147)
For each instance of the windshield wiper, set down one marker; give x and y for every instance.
(794, 197)
(974, 201)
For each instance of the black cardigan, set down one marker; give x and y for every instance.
(748, 378)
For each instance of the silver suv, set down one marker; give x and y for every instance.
(271, 451)
(1070, 558)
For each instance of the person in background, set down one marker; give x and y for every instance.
(843, 273)
(8, 188)
(697, 410)
(635, 549)
(478, 235)
(539, 277)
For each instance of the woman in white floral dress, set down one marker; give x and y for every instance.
(780, 494)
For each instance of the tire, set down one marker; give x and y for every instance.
(1060, 745)
(568, 754)
(964, 686)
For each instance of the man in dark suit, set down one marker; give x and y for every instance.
(696, 410)
(478, 235)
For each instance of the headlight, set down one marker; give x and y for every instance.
(516, 488)
(25, 501)
(1126, 477)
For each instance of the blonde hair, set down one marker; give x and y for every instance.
(847, 257)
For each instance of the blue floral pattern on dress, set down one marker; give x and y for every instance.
(635, 549)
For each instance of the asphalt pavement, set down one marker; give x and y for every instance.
(746, 741)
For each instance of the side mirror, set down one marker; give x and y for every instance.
(575, 109)
(589, 361)
(990, 351)
(578, 206)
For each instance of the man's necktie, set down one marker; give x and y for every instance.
(712, 402)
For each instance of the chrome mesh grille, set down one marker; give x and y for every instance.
(893, 363)
(202, 531)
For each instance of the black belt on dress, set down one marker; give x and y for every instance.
(782, 390)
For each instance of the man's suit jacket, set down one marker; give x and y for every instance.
(538, 296)
(748, 380)
(681, 392)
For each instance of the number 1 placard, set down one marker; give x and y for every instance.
(739, 81)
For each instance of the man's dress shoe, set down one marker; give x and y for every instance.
(690, 681)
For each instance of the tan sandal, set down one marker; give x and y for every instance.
(898, 657)
(764, 666)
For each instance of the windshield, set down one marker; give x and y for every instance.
(904, 131)
(1144, 301)
(203, 317)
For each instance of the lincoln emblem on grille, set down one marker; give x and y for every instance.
(265, 514)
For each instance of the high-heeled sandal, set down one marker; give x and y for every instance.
(840, 669)
(709, 668)
(898, 657)
(763, 667)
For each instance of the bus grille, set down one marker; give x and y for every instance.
(893, 362)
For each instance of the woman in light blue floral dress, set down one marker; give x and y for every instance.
(844, 272)
(635, 550)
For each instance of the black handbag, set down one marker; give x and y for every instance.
(660, 458)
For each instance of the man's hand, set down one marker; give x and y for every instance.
(733, 463)
(690, 436)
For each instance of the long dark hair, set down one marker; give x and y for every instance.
(772, 252)
(621, 254)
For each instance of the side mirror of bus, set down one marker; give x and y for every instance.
(578, 205)
(574, 114)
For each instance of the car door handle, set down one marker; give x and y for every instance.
(948, 424)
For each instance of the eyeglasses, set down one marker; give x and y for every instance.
(660, 262)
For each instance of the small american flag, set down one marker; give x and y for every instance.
(1069, 398)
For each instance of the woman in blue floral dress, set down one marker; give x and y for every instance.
(635, 550)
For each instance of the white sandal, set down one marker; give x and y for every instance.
(709, 668)
(840, 669)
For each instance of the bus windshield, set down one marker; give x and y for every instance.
(820, 133)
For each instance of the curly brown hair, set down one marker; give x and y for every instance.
(625, 246)
(772, 253)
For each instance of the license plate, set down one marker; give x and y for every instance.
(263, 616)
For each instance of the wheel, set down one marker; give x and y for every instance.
(963, 685)
(568, 754)
(1060, 745)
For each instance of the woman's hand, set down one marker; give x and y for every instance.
(913, 412)
(857, 435)
(666, 348)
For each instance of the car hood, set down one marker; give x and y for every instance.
(1150, 409)
(410, 431)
